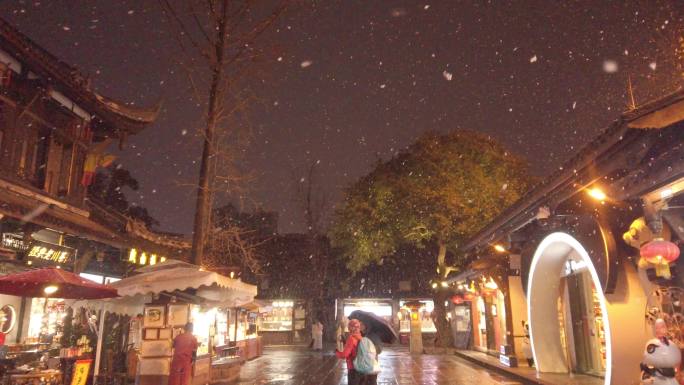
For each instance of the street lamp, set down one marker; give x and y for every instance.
(597, 194)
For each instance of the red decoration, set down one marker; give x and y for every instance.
(32, 283)
(457, 299)
(658, 251)
(469, 296)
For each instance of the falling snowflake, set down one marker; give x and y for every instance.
(652, 66)
(280, 58)
(426, 7)
(533, 59)
(574, 104)
(130, 12)
(306, 63)
(184, 132)
(447, 75)
(610, 66)
(383, 85)
(66, 28)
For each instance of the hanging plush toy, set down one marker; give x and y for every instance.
(661, 357)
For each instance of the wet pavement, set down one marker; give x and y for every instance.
(299, 366)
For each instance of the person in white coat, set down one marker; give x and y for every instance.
(317, 335)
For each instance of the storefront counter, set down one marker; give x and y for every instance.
(250, 348)
(201, 370)
(48, 377)
(276, 338)
(225, 370)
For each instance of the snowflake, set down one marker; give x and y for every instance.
(652, 66)
(533, 59)
(610, 66)
(447, 75)
(306, 63)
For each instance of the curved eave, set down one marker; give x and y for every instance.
(115, 115)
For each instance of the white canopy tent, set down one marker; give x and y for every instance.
(169, 277)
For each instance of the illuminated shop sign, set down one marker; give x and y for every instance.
(142, 258)
(14, 242)
(47, 252)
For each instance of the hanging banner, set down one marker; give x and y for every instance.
(50, 254)
(81, 370)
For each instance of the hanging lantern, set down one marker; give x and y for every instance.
(660, 253)
(457, 299)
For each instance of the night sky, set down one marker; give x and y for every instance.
(359, 80)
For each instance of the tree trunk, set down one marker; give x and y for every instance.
(444, 338)
(208, 165)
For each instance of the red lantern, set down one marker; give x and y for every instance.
(457, 299)
(659, 250)
(660, 253)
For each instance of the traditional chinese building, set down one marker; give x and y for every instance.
(54, 134)
(588, 258)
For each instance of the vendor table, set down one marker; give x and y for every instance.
(45, 377)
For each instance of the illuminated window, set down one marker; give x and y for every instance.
(133, 256)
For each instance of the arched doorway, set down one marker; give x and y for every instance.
(567, 310)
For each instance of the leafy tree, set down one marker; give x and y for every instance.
(438, 192)
(108, 188)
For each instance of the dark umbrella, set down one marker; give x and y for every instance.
(379, 325)
(54, 283)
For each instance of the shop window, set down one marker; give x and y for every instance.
(277, 317)
(424, 315)
(46, 321)
(668, 303)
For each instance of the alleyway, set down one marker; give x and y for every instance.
(298, 366)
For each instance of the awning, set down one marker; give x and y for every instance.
(175, 276)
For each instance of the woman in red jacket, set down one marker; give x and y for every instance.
(349, 352)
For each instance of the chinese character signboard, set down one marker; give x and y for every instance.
(81, 370)
(49, 254)
(13, 242)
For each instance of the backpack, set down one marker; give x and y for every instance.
(366, 360)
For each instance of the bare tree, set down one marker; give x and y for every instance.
(219, 39)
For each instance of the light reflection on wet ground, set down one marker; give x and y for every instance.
(298, 366)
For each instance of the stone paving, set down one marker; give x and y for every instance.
(299, 366)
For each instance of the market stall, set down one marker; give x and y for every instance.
(170, 294)
(50, 358)
(282, 322)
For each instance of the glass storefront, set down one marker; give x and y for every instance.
(380, 308)
(424, 314)
(582, 328)
(46, 321)
(282, 316)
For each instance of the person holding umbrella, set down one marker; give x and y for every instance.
(349, 352)
(376, 329)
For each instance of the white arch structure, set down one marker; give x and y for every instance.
(542, 298)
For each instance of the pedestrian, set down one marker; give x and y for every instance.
(184, 352)
(368, 332)
(349, 352)
(317, 334)
(339, 335)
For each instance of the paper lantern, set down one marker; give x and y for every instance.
(660, 253)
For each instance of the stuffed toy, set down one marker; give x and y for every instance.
(661, 357)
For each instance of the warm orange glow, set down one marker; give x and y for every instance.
(414, 316)
(596, 193)
(52, 289)
(499, 248)
(133, 255)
